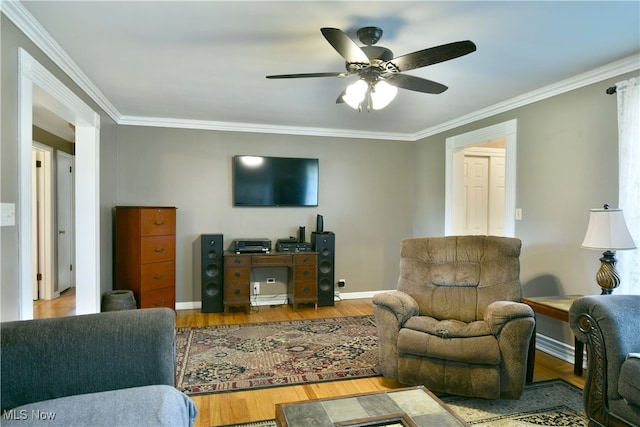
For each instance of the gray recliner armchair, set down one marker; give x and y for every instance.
(455, 323)
(609, 325)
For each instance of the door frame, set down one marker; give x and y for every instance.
(455, 155)
(33, 76)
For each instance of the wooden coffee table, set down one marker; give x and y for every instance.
(409, 407)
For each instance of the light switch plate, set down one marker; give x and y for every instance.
(7, 214)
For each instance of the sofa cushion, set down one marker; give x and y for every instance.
(629, 380)
(156, 405)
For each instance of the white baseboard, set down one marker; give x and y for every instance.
(561, 350)
(262, 300)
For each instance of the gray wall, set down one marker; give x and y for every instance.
(366, 195)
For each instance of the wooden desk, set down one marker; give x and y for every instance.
(302, 287)
(556, 307)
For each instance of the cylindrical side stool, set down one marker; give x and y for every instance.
(118, 300)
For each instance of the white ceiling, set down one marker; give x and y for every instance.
(206, 61)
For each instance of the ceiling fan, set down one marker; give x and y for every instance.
(378, 71)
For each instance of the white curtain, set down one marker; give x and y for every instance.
(628, 95)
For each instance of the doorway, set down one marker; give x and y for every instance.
(482, 211)
(502, 137)
(52, 221)
(59, 99)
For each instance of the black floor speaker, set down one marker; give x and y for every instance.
(211, 272)
(325, 245)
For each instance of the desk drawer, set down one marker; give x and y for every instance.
(305, 291)
(266, 260)
(306, 259)
(237, 275)
(157, 249)
(237, 260)
(305, 273)
(236, 292)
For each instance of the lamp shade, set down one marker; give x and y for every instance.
(382, 94)
(355, 93)
(607, 230)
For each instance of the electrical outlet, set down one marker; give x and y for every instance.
(342, 283)
(256, 288)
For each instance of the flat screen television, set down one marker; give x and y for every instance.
(275, 181)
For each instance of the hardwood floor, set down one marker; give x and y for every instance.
(65, 305)
(246, 406)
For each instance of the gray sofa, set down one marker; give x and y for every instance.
(610, 327)
(108, 369)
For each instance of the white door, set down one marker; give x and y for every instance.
(479, 208)
(64, 187)
(476, 191)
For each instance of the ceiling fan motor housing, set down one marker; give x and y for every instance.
(369, 35)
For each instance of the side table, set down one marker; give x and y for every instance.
(556, 307)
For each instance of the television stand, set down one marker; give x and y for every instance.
(302, 286)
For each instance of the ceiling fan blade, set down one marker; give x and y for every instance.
(343, 44)
(304, 75)
(433, 55)
(417, 84)
(339, 100)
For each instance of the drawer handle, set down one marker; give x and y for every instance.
(237, 260)
(158, 250)
(305, 289)
(158, 223)
(158, 276)
(305, 273)
(237, 274)
(160, 303)
(237, 292)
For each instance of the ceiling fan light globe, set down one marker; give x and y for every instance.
(355, 93)
(382, 94)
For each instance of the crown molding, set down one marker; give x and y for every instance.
(614, 69)
(21, 17)
(258, 128)
(26, 23)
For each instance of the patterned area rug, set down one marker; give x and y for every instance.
(545, 403)
(222, 358)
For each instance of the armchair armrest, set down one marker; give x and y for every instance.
(400, 304)
(513, 324)
(391, 310)
(50, 358)
(499, 313)
(609, 325)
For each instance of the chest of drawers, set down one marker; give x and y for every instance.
(145, 254)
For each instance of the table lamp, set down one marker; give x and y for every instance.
(607, 230)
